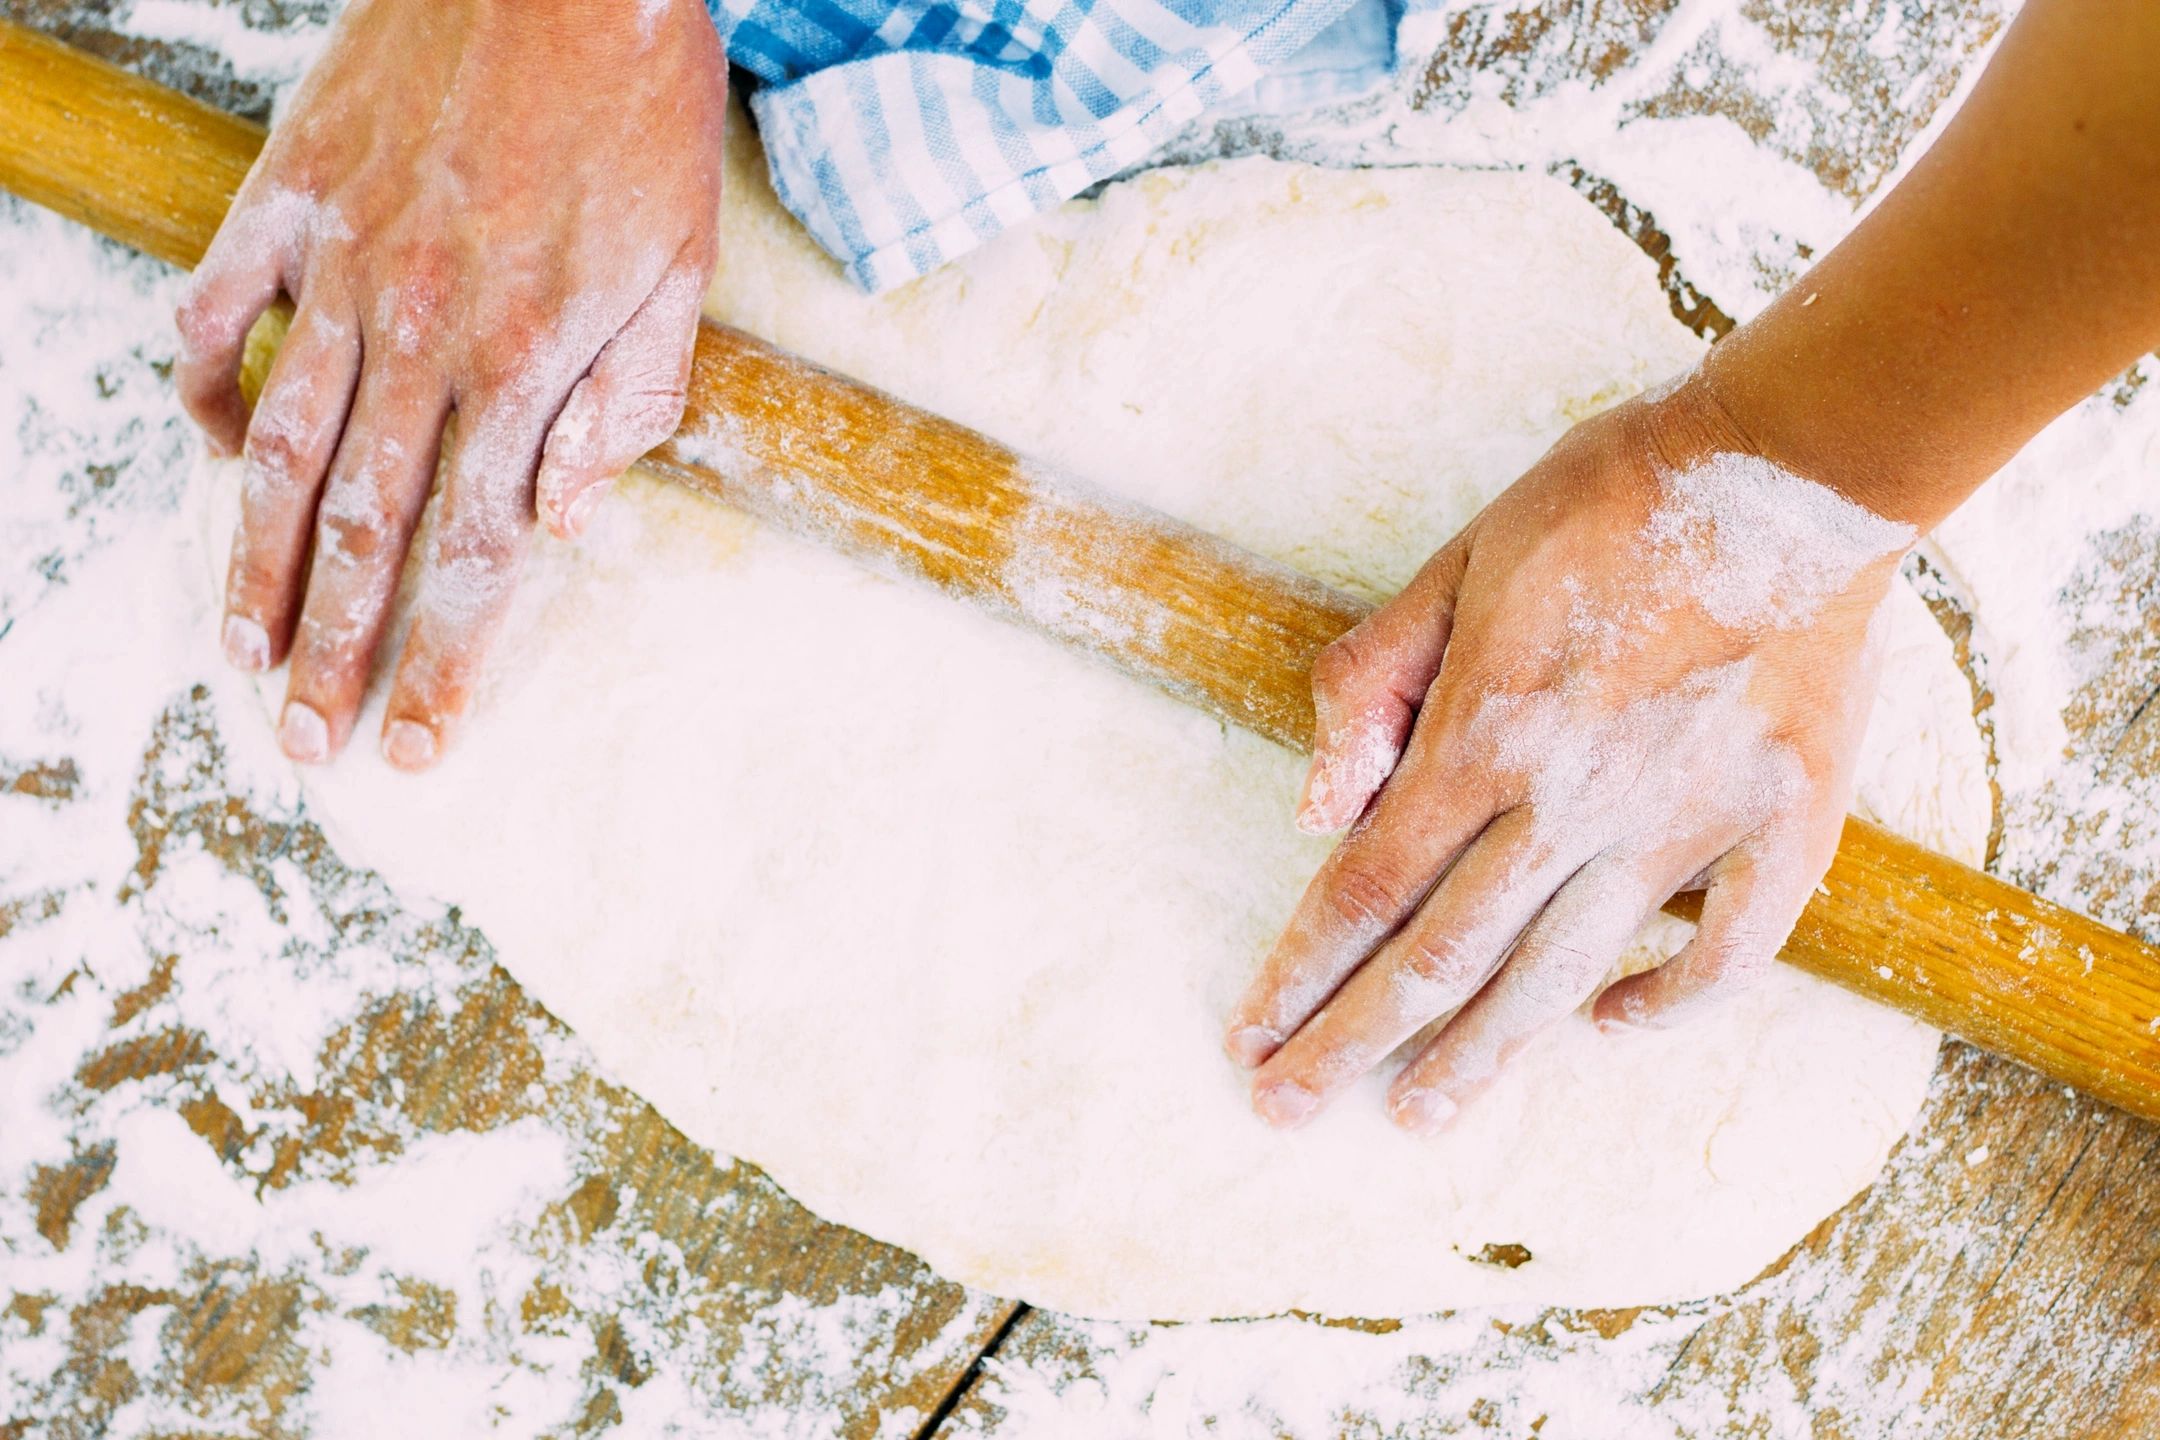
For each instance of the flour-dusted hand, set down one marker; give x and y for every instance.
(1645, 667)
(502, 209)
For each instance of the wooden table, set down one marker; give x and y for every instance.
(2013, 1295)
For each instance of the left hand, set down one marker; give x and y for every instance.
(504, 209)
(1644, 668)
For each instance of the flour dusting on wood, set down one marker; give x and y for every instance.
(209, 1164)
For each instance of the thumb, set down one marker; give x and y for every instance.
(629, 402)
(1367, 687)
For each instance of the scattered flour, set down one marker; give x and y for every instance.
(98, 448)
(269, 57)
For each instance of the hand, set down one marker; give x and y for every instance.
(1644, 668)
(501, 208)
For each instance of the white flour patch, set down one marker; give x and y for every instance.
(266, 57)
(1759, 547)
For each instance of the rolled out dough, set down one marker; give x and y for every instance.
(938, 924)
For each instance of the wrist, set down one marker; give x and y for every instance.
(1821, 398)
(1785, 536)
(1687, 422)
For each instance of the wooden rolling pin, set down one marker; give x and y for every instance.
(842, 464)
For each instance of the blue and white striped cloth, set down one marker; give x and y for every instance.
(905, 133)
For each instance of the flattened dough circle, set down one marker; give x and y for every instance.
(937, 923)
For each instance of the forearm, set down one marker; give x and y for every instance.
(2012, 273)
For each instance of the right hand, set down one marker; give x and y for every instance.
(1646, 667)
(502, 208)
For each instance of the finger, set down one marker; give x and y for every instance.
(1750, 908)
(1362, 892)
(631, 401)
(1557, 964)
(1367, 688)
(289, 445)
(224, 298)
(378, 486)
(467, 578)
(1437, 961)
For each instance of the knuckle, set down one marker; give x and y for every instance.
(503, 370)
(472, 572)
(1435, 960)
(257, 571)
(329, 643)
(1736, 963)
(482, 516)
(360, 521)
(1338, 665)
(204, 332)
(429, 270)
(409, 314)
(1751, 958)
(197, 303)
(473, 547)
(1367, 893)
(276, 452)
(662, 409)
(651, 417)
(1570, 968)
(191, 317)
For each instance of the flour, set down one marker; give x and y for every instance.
(277, 959)
(1762, 548)
(1747, 136)
(2054, 557)
(2024, 559)
(1352, 770)
(90, 405)
(268, 57)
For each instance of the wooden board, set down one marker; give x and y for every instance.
(2011, 1295)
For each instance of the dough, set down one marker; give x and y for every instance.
(938, 923)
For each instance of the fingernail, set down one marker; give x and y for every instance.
(1309, 818)
(247, 646)
(554, 507)
(581, 507)
(1422, 1112)
(408, 745)
(1285, 1104)
(1623, 1016)
(303, 735)
(1313, 821)
(1251, 1044)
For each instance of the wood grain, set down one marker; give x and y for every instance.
(843, 464)
(145, 164)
